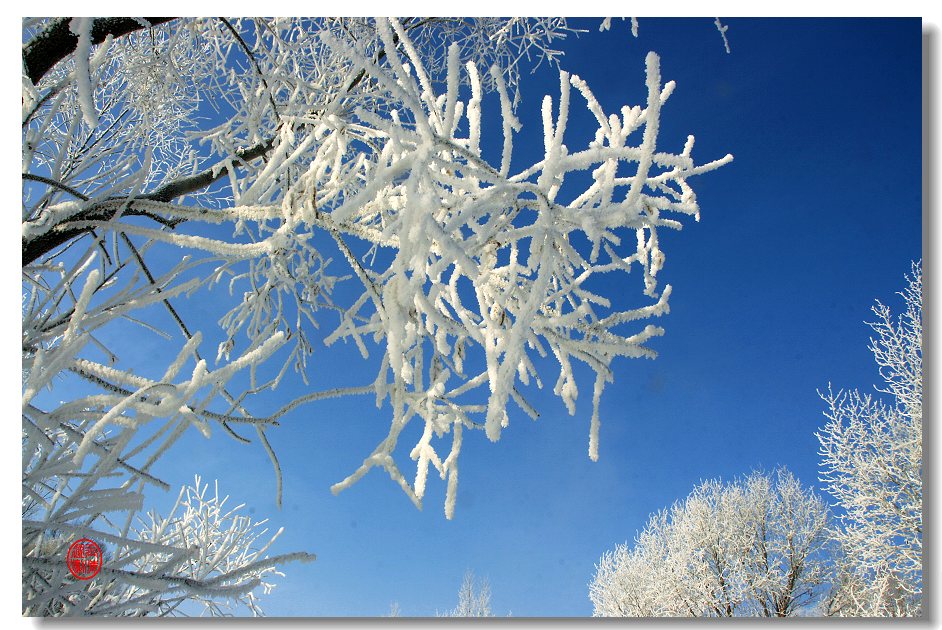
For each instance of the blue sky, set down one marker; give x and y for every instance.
(819, 214)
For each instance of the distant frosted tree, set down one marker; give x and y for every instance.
(871, 450)
(753, 547)
(474, 600)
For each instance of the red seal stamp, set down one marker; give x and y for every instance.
(84, 559)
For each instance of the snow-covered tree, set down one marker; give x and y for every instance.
(275, 158)
(753, 547)
(474, 600)
(871, 450)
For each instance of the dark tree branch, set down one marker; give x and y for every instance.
(41, 245)
(57, 42)
(192, 183)
(54, 184)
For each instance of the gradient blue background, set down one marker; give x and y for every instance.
(819, 214)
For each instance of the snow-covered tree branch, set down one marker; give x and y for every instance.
(261, 148)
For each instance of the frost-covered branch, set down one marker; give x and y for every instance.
(57, 41)
(269, 160)
(454, 221)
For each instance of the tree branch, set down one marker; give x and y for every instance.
(34, 248)
(191, 183)
(258, 69)
(51, 182)
(57, 42)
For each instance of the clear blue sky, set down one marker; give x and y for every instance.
(819, 214)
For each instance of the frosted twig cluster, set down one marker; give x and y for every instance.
(484, 257)
(203, 554)
(335, 150)
(474, 598)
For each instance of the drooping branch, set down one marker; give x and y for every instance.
(57, 42)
